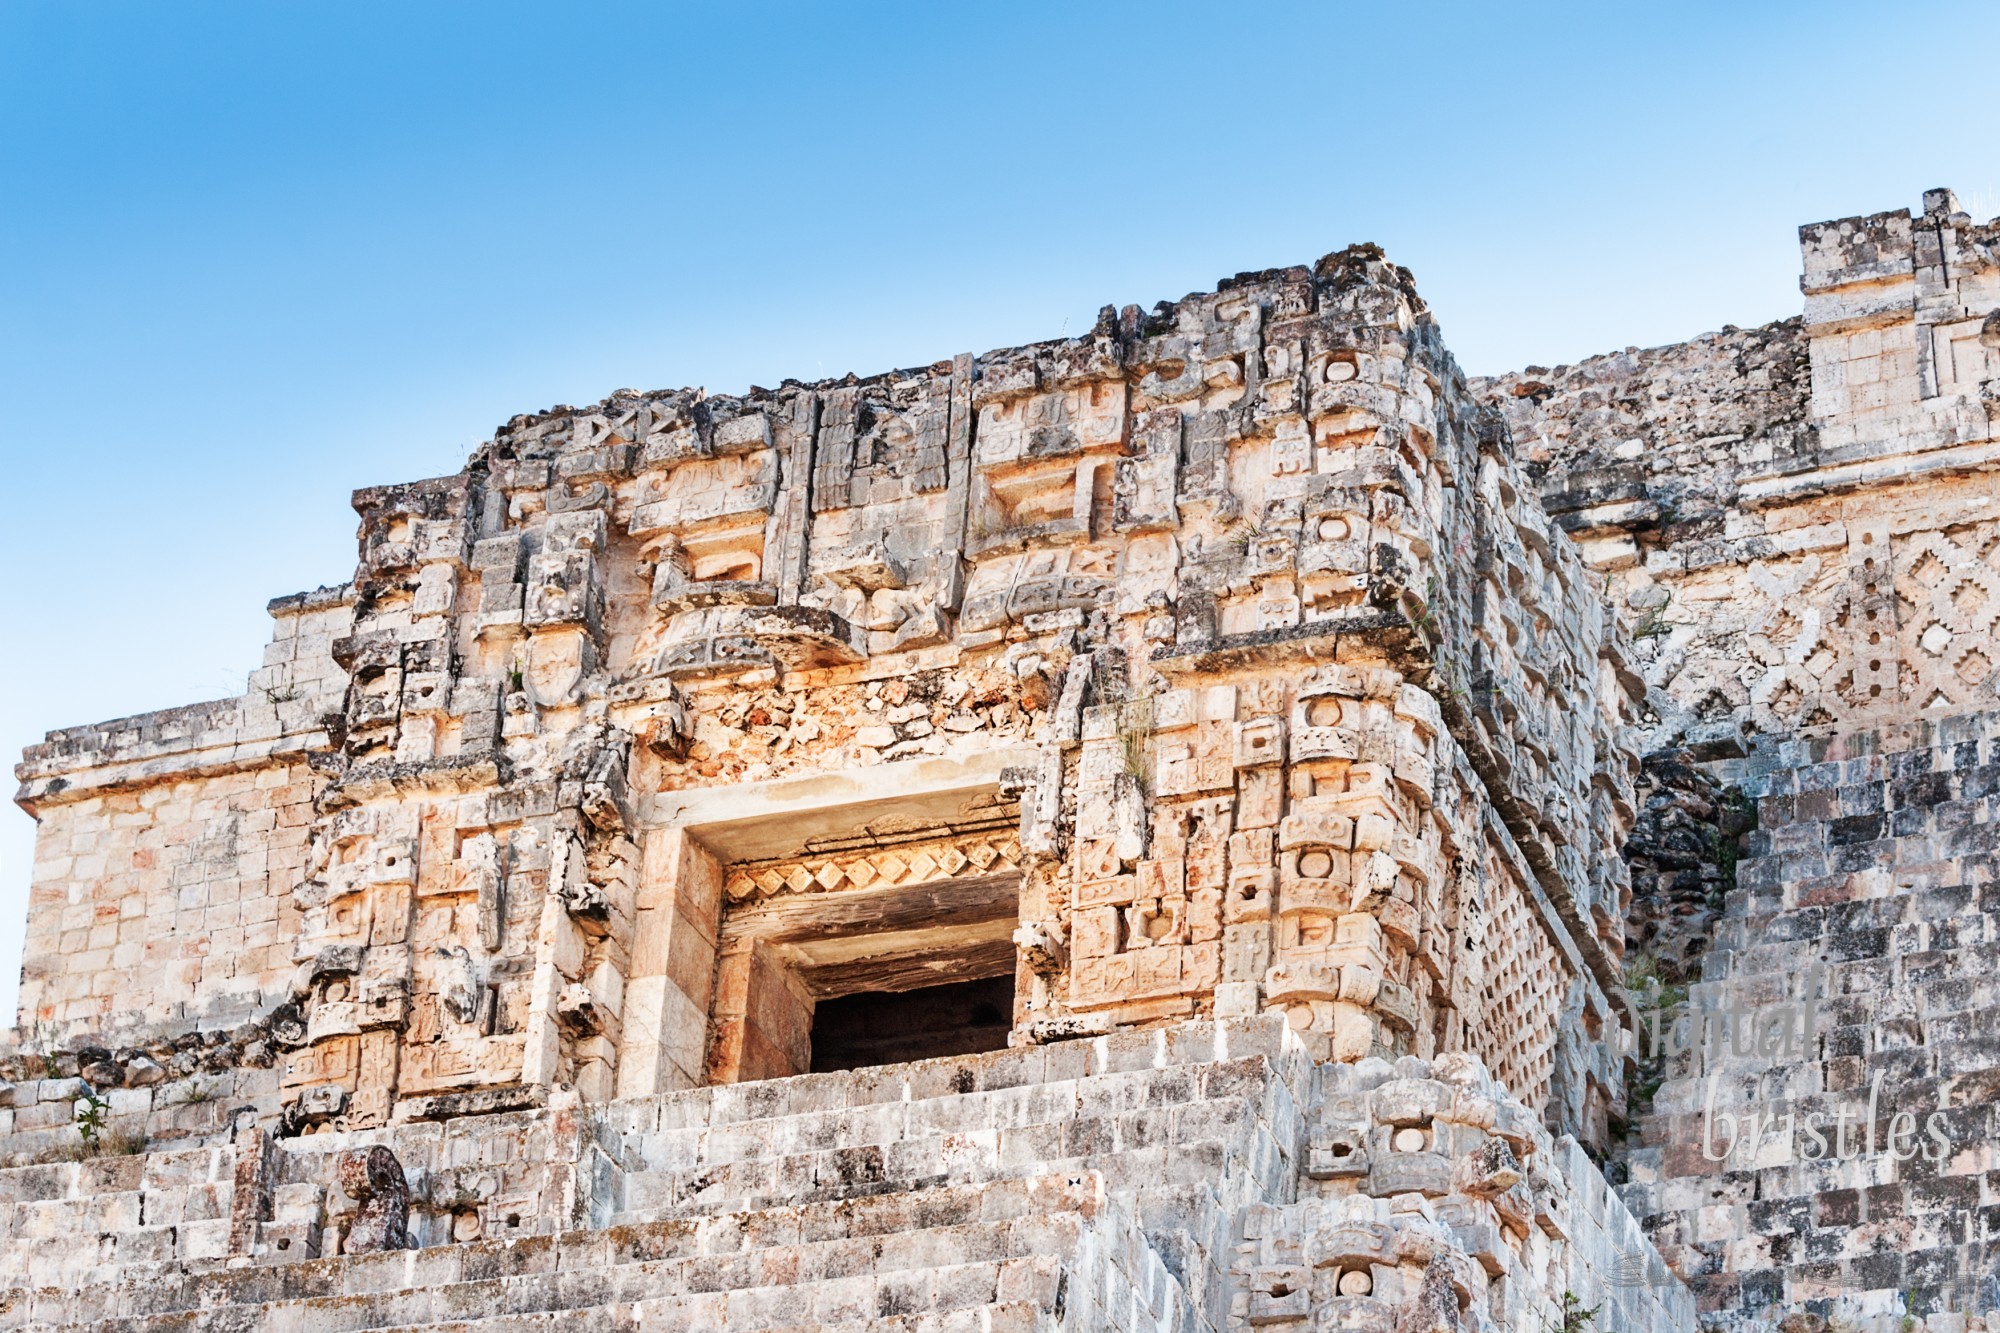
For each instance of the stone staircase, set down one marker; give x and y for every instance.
(1083, 1185)
(1876, 863)
(1176, 1180)
(978, 1257)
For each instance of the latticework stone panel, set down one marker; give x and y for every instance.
(1523, 996)
(1948, 583)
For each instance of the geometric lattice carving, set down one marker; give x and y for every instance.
(1522, 995)
(1833, 645)
(1804, 642)
(1948, 582)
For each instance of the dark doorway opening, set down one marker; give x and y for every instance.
(889, 1027)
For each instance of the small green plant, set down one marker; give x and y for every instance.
(1240, 535)
(1135, 738)
(1642, 972)
(110, 1143)
(1737, 812)
(1647, 980)
(42, 1040)
(1653, 624)
(91, 1114)
(123, 1143)
(282, 696)
(515, 681)
(196, 1092)
(1425, 623)
(1574, 1317)
(1655, 1001)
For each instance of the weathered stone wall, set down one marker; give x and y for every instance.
(169, 847)
(1869, 893)
(1682, 851)
(1797, 524)
(189, 913)
(1799, 521)
(1218, 665)
(1658, 438)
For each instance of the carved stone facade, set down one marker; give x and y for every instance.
(1196, 737)
(1799, 516)
(1798, 525)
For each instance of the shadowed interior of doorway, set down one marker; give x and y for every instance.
(812, 981)
(888, 1027)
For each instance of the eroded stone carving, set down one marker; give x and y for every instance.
(373, 1178)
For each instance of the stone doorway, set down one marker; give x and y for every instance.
(938, 933)
(891, 1027)
(761, 902)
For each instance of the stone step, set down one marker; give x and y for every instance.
(938, 1277)
(1157, 1112)
(705, 1315)
(1213, 1126)
(640, 1300)
(1001, 1257)
(953, 1078)
(890, 1234)
(1156, 1129)
(1869, 875)
(1153, 1130)
(1158, 1105)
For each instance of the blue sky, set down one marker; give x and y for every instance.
(254, 256)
